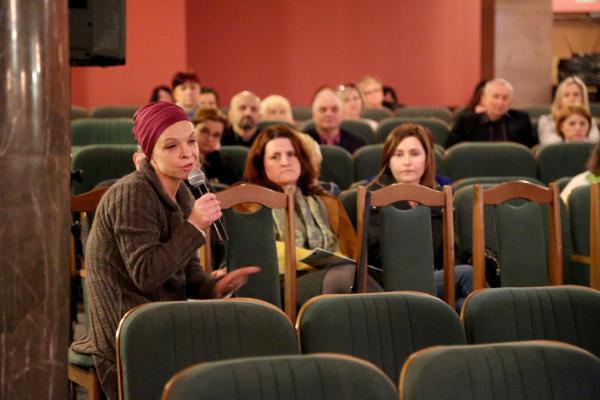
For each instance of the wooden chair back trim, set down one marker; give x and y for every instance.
(88, 201)
(514, 190)
(428, 197)
(595, 236)
(249, 193)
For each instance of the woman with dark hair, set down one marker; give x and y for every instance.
(186, 91)
(278, 159)
(407, 157)
(592, 175)
(161, 93)
(143, 244)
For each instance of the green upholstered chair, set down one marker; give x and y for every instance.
(78, 112)
(524, 370)
(314, 377)
(377, 114)
(348, 199)
(472, 159)
(439, 128)
(114, 111)
(238, 155)
(101, 131)
(366, 160)
(251, 241)
(100, 163)
(336, 166)
(383, 328)
(355, 127)
(525, 233)
(595, 109)
(584, 212)
(301, 113)
(535, 111)
(265, 123)
(442, 113)
(491, 180)
(564, 313)
(405, 237)
(157, 340)
(558, 160)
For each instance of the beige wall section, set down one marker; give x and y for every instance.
(573, 33)
(523, 48)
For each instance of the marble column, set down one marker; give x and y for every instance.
(34, 199)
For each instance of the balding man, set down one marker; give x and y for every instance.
(244, 115)
(327, 115)
(496, 121)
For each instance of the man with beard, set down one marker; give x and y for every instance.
(327, 114)
(494, 120)
(244, 115)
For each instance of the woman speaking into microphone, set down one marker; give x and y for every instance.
(146, 233)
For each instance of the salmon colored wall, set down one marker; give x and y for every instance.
(575, 6)
(156, 46)
(428, 50)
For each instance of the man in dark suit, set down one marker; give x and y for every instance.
(327, 114)
(496, 122)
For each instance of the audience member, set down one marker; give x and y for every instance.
(278, 159)
(372, 91)
(496, 122)
(353, 104)
(276, 108)
(592, 175)
(407, 157)
(327, 115)
(209, 125)
(390, 98)
(474, 103)
(571, 91)
(244, 115)
(186, 91)
(143, 245)
(209, 98)
(161, 93)
(574, 124)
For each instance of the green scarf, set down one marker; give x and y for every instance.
(593, 178)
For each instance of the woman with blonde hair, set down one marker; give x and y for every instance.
(571, 91)
(353, 104)
(276, 108)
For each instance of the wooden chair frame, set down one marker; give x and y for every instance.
(593, 260)
(517, 190)
(249, 193)
(82, 204)
(425, 196)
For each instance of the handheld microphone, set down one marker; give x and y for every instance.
(197, 179)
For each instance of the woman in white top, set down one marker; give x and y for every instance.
(571, 91)
(592, 175)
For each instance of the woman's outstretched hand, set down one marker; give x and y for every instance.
(232, 281)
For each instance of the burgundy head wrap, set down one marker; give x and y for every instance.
(152, 120)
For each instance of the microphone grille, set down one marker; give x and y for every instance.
(196, 177)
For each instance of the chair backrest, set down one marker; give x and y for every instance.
(268, 122)
(252, 242)
(314, 377)
(525, 370)
(86, 131)
(564, 313)
(595, 109)
(348, 199)
(376, 114)
(356, 127)
(439, 129)
(525, 256)
(301, 113)
(442, 113)
(491, 180)
(157, 340)
(584, 212)
(78, 112)
(406, 239)
(558, 160)
(465, 160)
(238, 155)
(114, 111)
(535, 111)
(383, 328)
(366, 160)
(100, 163)
(336, 166)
